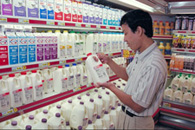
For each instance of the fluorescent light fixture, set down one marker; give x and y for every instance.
(138, 5)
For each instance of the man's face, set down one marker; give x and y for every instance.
(131, 38)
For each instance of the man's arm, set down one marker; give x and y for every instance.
(123, 97)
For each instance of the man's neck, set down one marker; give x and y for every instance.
(146, 42)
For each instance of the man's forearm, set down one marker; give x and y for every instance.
(118, 70)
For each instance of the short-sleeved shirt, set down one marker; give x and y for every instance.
(147, 78)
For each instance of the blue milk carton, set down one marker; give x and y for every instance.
(31, 46)
(43, 9)
(109, 17)
(50, 9)
(13, 47)
(105, 15)
(22, 45)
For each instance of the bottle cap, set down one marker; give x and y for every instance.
(69, 101)
(89, 54)
(67, 65)
(91, 100)
(99, 96)
(23, 73)
(89, 122)
(58, 106)
(82, 103)
(28, 127)
(14, 123)
(31, 117)
(44, 120)
(58, 115)
(45, 111)
(60, 67)
(34, 71)
(11, 75)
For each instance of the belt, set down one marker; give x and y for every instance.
(127, 112)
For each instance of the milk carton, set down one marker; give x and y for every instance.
(54, 110)
(41, 115)
(105, 15)
(61, 45)
(27, 87)
(31, 47)
(113, 116)
(57, 79)
(84, 80)
(43, 9)
(4, 50)
(106, 121)
(66, 110)
(55, 122)
(37, 85)
(67, 10)
(188, 97)
(64, 40)
(16, 92)
(5, 96)
(91, 13)
(91, 44)
(70, 45)
(178, 95)
(168, 94)
(64, 81)
(33, 8)
(41, 125)
(70, 76)
(86, 12)
(13, 125)
(28, 121)
(13, 47)
(23, 51)
(90, 125)
(48, 77)
(185, 84)
(59, 9)
(96, 69)
(101, 14)
(39, 47)
(74, 11)
(46, 45)
(80, 11)
(7, 8)
(193, 86)
(96, 13)
(50, 9)
(98, 123)
(175, 83)
(19, 8)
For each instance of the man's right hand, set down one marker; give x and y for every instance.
(104, 58)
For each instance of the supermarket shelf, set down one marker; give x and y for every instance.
(44, 102)
(44, 64)
(175, 122)
(184, 32)
(183, 71)
(182, 50)
(178, 108)
(167, 57)
(162, 37)
(40, 23)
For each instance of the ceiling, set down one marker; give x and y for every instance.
(167, 7)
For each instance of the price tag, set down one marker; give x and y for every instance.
(50, 23)
(10, 112)
(43, 65)
(48, 64)
(98, 26)
(88, 26)
(23, 21)
(125, 53)
(61, 23)
(63, 62)
(24, 67)
(79, 59)
(166, 104)
(3, 19)
(77, 89)
(19, 68)
(107, 27)
(78, 24)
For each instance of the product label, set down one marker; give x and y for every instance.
(32, 6)
(85, 121)
(67, 10)
(3, 50)
(96, 15)
(28, 92)
(13, 50)
(58, 10)
(95, 47)
(22, 41)
(99, 47)
(177, 99)
(39, 91)
(85, 80)
(100, 71)
(69, 51)
(43, 9)
(108, 46)
(91, 14)
(5, 100)
(55, 51)
(32, 53)
(40, 52)
(71, 82)
(50, 9)
(78, 80)
(105, 13)
(47, 51)
(49, 83)
(77, 45)
(20, 8)
(17, 96)
(74, 12)
(167, 97)
(7, 7)
(184, 89)
(174, 87)
(187, 101)
(64, 84)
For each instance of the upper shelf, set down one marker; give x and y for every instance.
(168, 37)
(44, 64)
(183, 50)
(41, 23)
(184, 32)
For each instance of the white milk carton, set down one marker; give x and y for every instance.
(41, 115)
(57, 79)
(28, 121)
(55, 122)
(13, 125)
(31, 47)
(193, 86)
(98, 123)
(91, 45)
(106, 100)
(7, 7)
(70, 76)
(74, 11)
(67, 10)
(43, 9)
(72, 44)
(96, 69)
(188, 97)
(5, 96)
(41, 125)
(50, 9)
(37, 85)
(90, 126)
(80, 11)
(54, 110)
(48, 78)
(66, 110)
(61, 45)
(19, 7)
(59, 9)
(113, 116)
(168, 93)
(178, 95)
(33, 8)
(85, 12)
(99, 105)
(90, 108)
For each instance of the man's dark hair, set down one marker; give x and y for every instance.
(137, 18)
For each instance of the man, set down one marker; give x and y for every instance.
(146, 75)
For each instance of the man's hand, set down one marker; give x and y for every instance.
(106, 85)
(103, 58)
